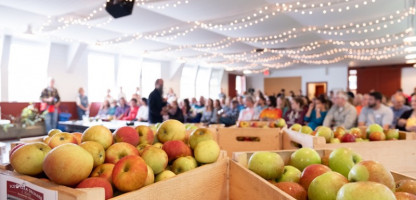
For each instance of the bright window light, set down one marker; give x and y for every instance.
(151, 71)
(187, 87)
(128, 76)
(100, 76)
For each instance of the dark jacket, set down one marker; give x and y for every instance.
(405, 115)
(156, 104)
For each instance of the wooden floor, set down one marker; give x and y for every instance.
(4, 150)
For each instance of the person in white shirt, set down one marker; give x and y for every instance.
(247, 114)
(143, 113)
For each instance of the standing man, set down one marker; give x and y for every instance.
(83, 105)
(50, 103)
(156, 103)
(342, 113)
(376, 112)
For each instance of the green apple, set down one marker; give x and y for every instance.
(296, 127)
(184, 164)
(207, 151)
(334, 141)
(306, 130)
(155, 158)
(171, 130)
(342, 160)
(268, 165)
(371, 171)
(280, 123)
(158, 145)
(198, 135)
(164, 175)
(290, 174)
(326, 133)
(374, 128)
(28, 159)
(392, 134)
(304, 157)
(365, 190)
(326, 186)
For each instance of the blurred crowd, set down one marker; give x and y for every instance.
(336, 109)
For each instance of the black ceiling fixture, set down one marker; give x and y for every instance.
(119, 8)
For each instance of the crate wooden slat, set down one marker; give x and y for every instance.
(270, 139)
(246, 184)
(396, 155)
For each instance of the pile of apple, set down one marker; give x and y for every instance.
(341, 176)
(279, 123)
(374, 133)
(123, 161)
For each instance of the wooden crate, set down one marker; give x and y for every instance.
(245, 184)
(269, 139)
(396, 155)
(206, 182)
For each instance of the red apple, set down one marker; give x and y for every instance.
(310, 173)
(293, 189)
(104, 171)
(377, 136)
(176, 149)
(126, 134)
(62, 138)
(100, 134)
(404, 196)
(130, 173)
(77, 136)
(146, 135)
(348, 138)
(94, 182)
(119, 150)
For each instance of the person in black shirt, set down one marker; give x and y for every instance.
(407, 120)
(156, 103)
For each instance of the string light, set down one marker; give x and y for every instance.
(175, 4)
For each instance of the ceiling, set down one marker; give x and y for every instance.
(250, 35)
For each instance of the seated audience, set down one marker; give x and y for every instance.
(316, 113)
(209, 115)
(271, 113)
(123, 109)
(102, 113)
(187, 111)
(247, 114)
(398, 107)
(134, 108)
(113, 108)
(407, 122)
(283, 104)
(296, 114)
(342, 113)
(376, 112)
(240, 100)
(174, 112)
(230, 116)
(143, 113)
(360, 101)
(260, 105)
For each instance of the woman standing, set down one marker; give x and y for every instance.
(83, 105)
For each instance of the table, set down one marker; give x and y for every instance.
(81, 126)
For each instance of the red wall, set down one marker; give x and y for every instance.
(15, 108)
(231, 85)
(384, 79)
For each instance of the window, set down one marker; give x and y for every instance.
(202, 82)
(128, 75)
(240, 84)
(27, 71)
(100, 75)
(188, 81)
(151, 71)
(215, 83)
(352, 80)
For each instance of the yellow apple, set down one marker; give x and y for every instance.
(96, 150)
(28, 159)
(100, 134)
